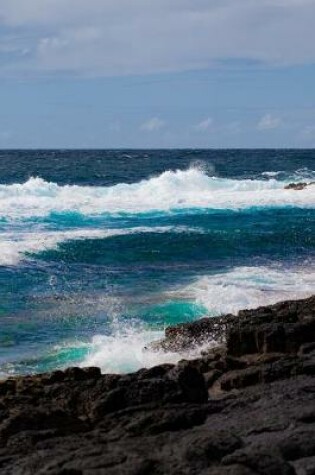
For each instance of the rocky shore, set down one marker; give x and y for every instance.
(244, 407)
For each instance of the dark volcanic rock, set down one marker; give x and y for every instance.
(245, 408)
(282, 327)
(298, 186)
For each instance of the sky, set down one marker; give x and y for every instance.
(157, 73)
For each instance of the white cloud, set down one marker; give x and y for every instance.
(153, 124)
(204, 125)
(268, 122)
(118, 37)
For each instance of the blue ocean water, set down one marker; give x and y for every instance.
(100, 250)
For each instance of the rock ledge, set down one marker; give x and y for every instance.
(245, 407)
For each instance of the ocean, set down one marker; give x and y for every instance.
(100, 250)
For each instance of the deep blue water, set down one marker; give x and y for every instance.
(100, 250)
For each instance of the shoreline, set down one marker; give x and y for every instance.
(245, 407)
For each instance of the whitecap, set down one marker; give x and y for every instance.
(128, 351)
(19, 246)
(169, 191)
(227, 292)
(249, 287)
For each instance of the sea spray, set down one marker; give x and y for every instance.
(175, 190)
(101, 250)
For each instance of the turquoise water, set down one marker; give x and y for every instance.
(101, 250)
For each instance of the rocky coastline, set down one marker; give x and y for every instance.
(244, 407)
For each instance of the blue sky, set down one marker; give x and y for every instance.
(164, 73)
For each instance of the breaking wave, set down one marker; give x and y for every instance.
(18, 246)
(172, 190)
(229, 292)
(250, 287)
(125, 346)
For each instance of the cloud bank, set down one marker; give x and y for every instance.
(153, 124)
(268, 122)
(204, 125)
(120, 37)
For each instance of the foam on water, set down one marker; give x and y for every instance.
(171, 190)
(122, 352)
(20, 246)
(229, 292)
(128, 351)
(250, 287)
(125, 352)
(37, 215)
(301, 174)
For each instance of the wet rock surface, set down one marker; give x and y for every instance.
(298, 186)
(245, 407)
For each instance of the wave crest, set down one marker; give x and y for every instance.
(171, 190)
(229, 292)
(15, 247)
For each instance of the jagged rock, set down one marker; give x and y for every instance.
(212, 446)
(258, 419)
(241, 379)
(298, 186)
(282, 327)
(264, 463)
(211, 377)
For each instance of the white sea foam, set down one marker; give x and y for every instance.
(250, 287)
(128, 351)
(243, 287)
(20, 245)
(302, 174)
(170, 190)
(125, 352)
(240, 288)
(272, 174)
